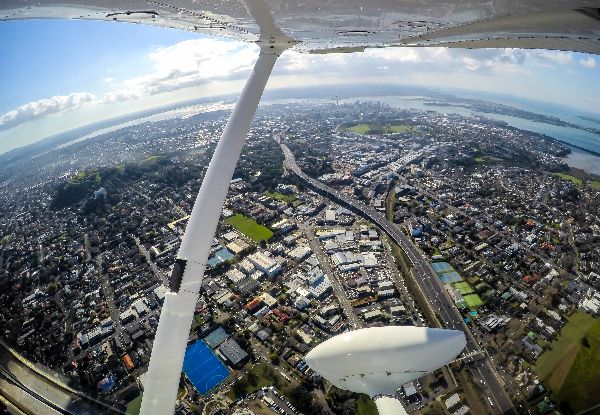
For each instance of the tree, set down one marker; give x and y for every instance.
(252, 379)
(585, 342)
(274, 357)
(239, 388)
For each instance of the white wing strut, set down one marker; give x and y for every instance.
(168, 350)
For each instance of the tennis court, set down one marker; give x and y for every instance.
(446, 273)
(442, 267)
(203, 368)
(449, 277)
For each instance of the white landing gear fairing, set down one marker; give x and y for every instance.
(378, 360)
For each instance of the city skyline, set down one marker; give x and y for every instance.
(87, 71)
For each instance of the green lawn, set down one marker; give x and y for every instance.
(265, 376)
(133, 407)
(463, 287)
(385, 129)
(250, 227)
(594, 184)
(575, 180)
(398, 129)
(365, 406)
(360, 128)
(569, 368)
(579, 323)
(473, 300)
(280, 196)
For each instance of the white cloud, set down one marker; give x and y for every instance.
(188, 63)
(471, 64)
(203, 63)
(44, 107)
(494, 61)
(553, 56)
(588, 62)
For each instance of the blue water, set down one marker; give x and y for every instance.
(203, 368)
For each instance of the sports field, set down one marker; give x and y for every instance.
(203, 368)
(571, 365)
(441, 267)
(446, 273)
(449, 277)
(133, 407)
(463, 287)
(250, 227)
(473, 300)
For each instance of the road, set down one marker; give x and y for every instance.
(110, 300)
(427, 281)
(162, 277)
(339, 291)
(34, 392)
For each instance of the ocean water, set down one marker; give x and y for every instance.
(584, 161)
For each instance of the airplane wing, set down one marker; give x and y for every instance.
(325, 26)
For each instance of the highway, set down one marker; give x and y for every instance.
(428, 283)
(34, 392)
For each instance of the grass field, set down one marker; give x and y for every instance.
(486, 159)
(265, 376)
(594, 184)
(385, 129)
(575, 180)
(280, 196)
(250, 227)
(473, 300)
(365, 406)
(133, 407)
(569, 368)
(463, 287)
(360, 129)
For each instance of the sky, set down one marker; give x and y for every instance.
(61, 74)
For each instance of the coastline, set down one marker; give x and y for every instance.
(583, 161)
(583, 149)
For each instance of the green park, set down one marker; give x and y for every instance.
(571, 364)
(250, 227)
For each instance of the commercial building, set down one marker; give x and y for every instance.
(265, 264)
(233, 353)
